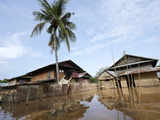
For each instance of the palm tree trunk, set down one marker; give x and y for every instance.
(56, 56)
(57, 67)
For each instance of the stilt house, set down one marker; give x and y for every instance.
(132, 71)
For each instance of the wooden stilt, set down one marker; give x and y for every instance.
(133, 81)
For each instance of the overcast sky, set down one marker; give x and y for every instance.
(105, 28)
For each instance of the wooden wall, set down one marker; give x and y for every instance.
(143, 79)
(12, 82)
(106, 84)
(44, 76)
(147, 79)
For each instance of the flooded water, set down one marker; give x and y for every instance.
(125, 104)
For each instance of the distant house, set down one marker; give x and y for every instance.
(105, 76)
(67, 69)
(132, 71)
(105, 79)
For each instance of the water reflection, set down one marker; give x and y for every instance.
(111, 104)
(57, 108)
(99, 111)
(134, 103)
(5, 116)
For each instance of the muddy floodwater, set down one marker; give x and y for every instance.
(109, 104)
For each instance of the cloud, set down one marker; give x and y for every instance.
(98, 37)
(123, 22)
(126, 21)
(110, 35)
(89, 50)
(3, 62)
(13, 46)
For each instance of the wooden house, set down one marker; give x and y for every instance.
(66, 68)
(47, 73)
(132, 71)
(105, 79)
(105, 76)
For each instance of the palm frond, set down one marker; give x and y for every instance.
(66, 16)
(47, 8)
(67, 43)
(54, 42)
(39, 16)
(66, 21)
(44, 4)
(70, 25)
(51, 41)
(60, 7)
(50, 29)
(66, 34)
(38, 28)
(61, 35)
(60, 27)
(71, 35)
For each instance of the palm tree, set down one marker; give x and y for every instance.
(57, 23)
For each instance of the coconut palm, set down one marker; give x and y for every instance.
(53, 17)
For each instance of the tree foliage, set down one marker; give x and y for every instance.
(94, 80)
(100, 71)
(57, 22)
(4, 81)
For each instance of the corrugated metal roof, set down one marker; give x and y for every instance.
(140, 70)
(78, 75)
(105, 75)
(132, 64)
(128, 55)
(70, 63)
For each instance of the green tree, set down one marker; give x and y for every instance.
(94, 80)
(58, 25)
(101, 70)
(4, 81)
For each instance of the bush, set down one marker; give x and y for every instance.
(4, 81)
(94, 80)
